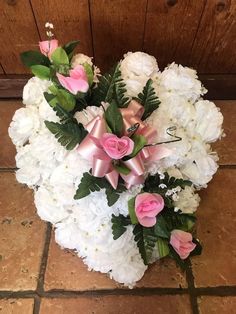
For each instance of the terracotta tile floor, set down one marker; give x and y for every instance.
(36, 276)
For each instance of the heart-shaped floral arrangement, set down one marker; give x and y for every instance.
(115, 160)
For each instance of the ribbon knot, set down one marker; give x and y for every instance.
(102, 165)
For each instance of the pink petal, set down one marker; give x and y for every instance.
(73, 85)
(147, 222)
(78, 73)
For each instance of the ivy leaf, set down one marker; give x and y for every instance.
(132, 214)
(29, 58)
(69, 134)
(41, 71)
(163, 247)
(104, 91)
(148, 99)
(70, 47)
(90, 184)
(114, 119)
(119, 224)
(161, 227)
(59, 56)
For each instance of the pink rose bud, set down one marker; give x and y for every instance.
(116, 147)
(182, 243)
(147, 207)
(76, 82)
(48, 46)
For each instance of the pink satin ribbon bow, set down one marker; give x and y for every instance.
(91, 149)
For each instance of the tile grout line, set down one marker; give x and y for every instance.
(58, 293)
(191, 288)
(42, 270)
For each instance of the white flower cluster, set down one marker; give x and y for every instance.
(54, 173)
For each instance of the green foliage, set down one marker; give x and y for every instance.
(119, 224)
(114, 119)
(139, 142)
(177, 220)
(161, 227)
(109, 87)
(89, 72)
(70, 47)
(122, 169)
(119, 93)
(62, 97)
(146, 241)
(69, 134)
(59, 56)
(148, 99)
(172, 182)
(65, 116)
(179, 262)
(132, 214)
(163, 247)
(29, 58)
(90, 184)
(41, 71)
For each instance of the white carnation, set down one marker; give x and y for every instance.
(33, 91)
(80, 59)
(209, 120)
(181, 81)
(188, 201)
(25, 123)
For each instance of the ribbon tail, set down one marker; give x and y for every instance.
(112, 177)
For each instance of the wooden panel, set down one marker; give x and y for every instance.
(118, 27)
(70, 18)
(18, 33)
(1, 69)
(171, 28)
(214, 48)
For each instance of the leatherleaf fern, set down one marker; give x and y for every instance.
(110, 87)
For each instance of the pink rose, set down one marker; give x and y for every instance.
(147, 207)
(48, 46)
(76, 82)
(116, 147)
(182, 243)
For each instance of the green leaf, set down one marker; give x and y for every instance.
(180, 262)
(53, 89)
(65, 116)
(59, 56)
(148, 99)
(51, 99)
(122, 169)
(29, 58)
(146, 241)
(41, 71)
(131, 207)
(139, 142)
(163, 247)
(177, 220)
(89, 72)
(119, 94)
(69, 134)
(87, 185)
(90, 184)
(66, 100)
(113, 194)
(138, 237)
(114, 119)
(161, 227)
(172, 182)
(119, 225)
(104, 91)
(70, 47)
(198, 248)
